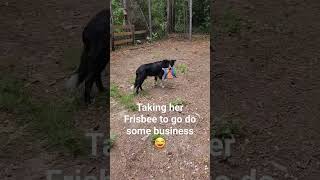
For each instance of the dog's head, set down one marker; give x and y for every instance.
(166, 63)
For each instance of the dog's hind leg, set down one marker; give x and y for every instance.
(161, 84)
(155, 80)
(99, 83)
(88, 86)
(161, 81)
(139, 83)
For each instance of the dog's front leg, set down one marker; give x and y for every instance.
(161, 83)
(88, 86)
(162, 80)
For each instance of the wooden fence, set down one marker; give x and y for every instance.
(126, 34)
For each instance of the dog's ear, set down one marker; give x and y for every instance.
(172, 62)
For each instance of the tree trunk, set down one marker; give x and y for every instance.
(168, 17)
(150, 23)
(111, 28)
(190, 20)
(125, 13)
(173, 14)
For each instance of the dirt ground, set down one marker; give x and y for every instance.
(34, 36)
(268, 73)
(185, 156)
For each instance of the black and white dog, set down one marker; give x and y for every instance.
(151, 69)
(95, 54)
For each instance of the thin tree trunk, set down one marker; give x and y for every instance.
(125, 12)
(111, 26)
(150, 23)
(173, 19)
(190, 20)
(168, 17)
(185, 18)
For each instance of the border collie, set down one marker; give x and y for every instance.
(95, 54)
(151, 69)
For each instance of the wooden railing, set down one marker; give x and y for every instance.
(123, 35)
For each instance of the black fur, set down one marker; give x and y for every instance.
(96, 52)
(151, 69)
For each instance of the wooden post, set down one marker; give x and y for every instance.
(133, 34)
(190, 20)
(150, 23)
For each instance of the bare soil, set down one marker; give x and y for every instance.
(268, 73)
(34, 37)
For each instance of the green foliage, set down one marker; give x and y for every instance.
(13, 96)
(52, 121)
(231, 22)
(109, 143)
(182, 68)
(56, 123)
(181, 18)
(178, 101)
(159, 18)
(138, 10)
(117, 12)
(158, 13)
(201, 16)
(226, 126)
(127, 100)
(155, 136)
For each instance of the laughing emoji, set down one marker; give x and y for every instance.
(160, 143)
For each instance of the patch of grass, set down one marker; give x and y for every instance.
(182, 68)
(178, 101)
(55, 122)
(155, 136)
(127, 100)
(14, 98)
(227, 126)
(109, 143)
(231, 22)
(50, 121)
(114, 91)
(71, 58)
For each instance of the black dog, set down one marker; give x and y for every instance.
(95, 54)
(151, 69)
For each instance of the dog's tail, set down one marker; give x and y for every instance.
(72, 82)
